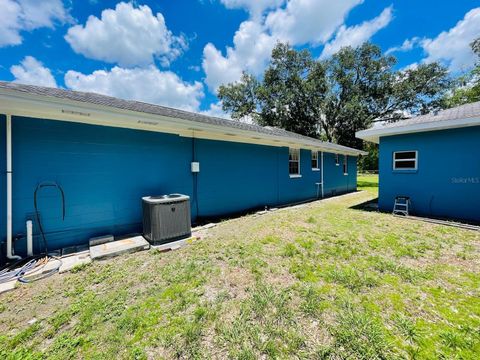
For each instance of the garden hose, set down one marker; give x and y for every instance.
(30, 270)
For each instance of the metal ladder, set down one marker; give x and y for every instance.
(401, 205)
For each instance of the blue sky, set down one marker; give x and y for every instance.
(177, 53)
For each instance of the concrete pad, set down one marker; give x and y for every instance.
(114, 248)
(7, 286)
(100, 240)
(69, 262)
(174, 245)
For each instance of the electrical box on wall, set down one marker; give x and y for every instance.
(195, 167)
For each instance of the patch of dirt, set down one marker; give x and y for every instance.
(234, 281)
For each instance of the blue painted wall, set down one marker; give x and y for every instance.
(105, 171)
(447, 182)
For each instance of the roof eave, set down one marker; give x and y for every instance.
(374, 135)
(39, 106)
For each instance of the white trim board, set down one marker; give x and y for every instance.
(374, 135)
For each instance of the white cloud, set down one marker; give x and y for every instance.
(308, 21)
(251, 52)
(453, 46)
(412, 66)
(26, 15)
(127, 35)
(358, 34)
(254, 7)
(143, 84)
(216, 110)
(31, 71)
(297, 22)
(407, 45)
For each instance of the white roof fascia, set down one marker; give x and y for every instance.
(374, 135)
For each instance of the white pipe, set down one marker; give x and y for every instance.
(322, 175)
(9, 190)
(29, 238)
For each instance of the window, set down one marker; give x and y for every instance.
(314, 160)
(294, 162)
(345, 164)
(405, 160)
(337, 160)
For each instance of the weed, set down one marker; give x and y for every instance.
(290, 250)
(360, 334)
(352, 278)
(406, 327)
(80, 267)
(311, 220)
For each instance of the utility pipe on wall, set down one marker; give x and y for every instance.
(322, 175)
(9, 190)
(29, 238)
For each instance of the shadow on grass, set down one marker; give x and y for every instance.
(370, 205)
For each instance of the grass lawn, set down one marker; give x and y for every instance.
(320, 281)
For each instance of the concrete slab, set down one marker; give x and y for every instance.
(174, 245)
(69, 262)
(7, 286)
(99, 240)
(114, 248)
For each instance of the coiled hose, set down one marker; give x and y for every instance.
(29, 269)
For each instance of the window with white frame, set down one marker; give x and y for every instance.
(315, 160)
(337, 160)
(405, 160)
(294, 161)
(345, 164)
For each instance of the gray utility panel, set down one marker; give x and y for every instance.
(166, 218)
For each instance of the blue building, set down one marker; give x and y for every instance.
(434, 159)
(106, 153)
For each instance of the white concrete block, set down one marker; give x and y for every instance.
(69, 262)
(7, 286)
(174, 245)
(100, 240)
(114, 248)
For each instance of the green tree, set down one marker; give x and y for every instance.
(364, 87)
(333, 99)
(467, 87)
(289, 97)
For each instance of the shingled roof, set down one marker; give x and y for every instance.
(460, 116)
(152, 109)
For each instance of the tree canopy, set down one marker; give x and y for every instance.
(467, 87)
(334, 98)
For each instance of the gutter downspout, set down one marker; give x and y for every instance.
(9, 190)
(322, 175)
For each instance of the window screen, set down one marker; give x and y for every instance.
(294, 161)
(405, 160)
(345, 164)
(314, 159)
